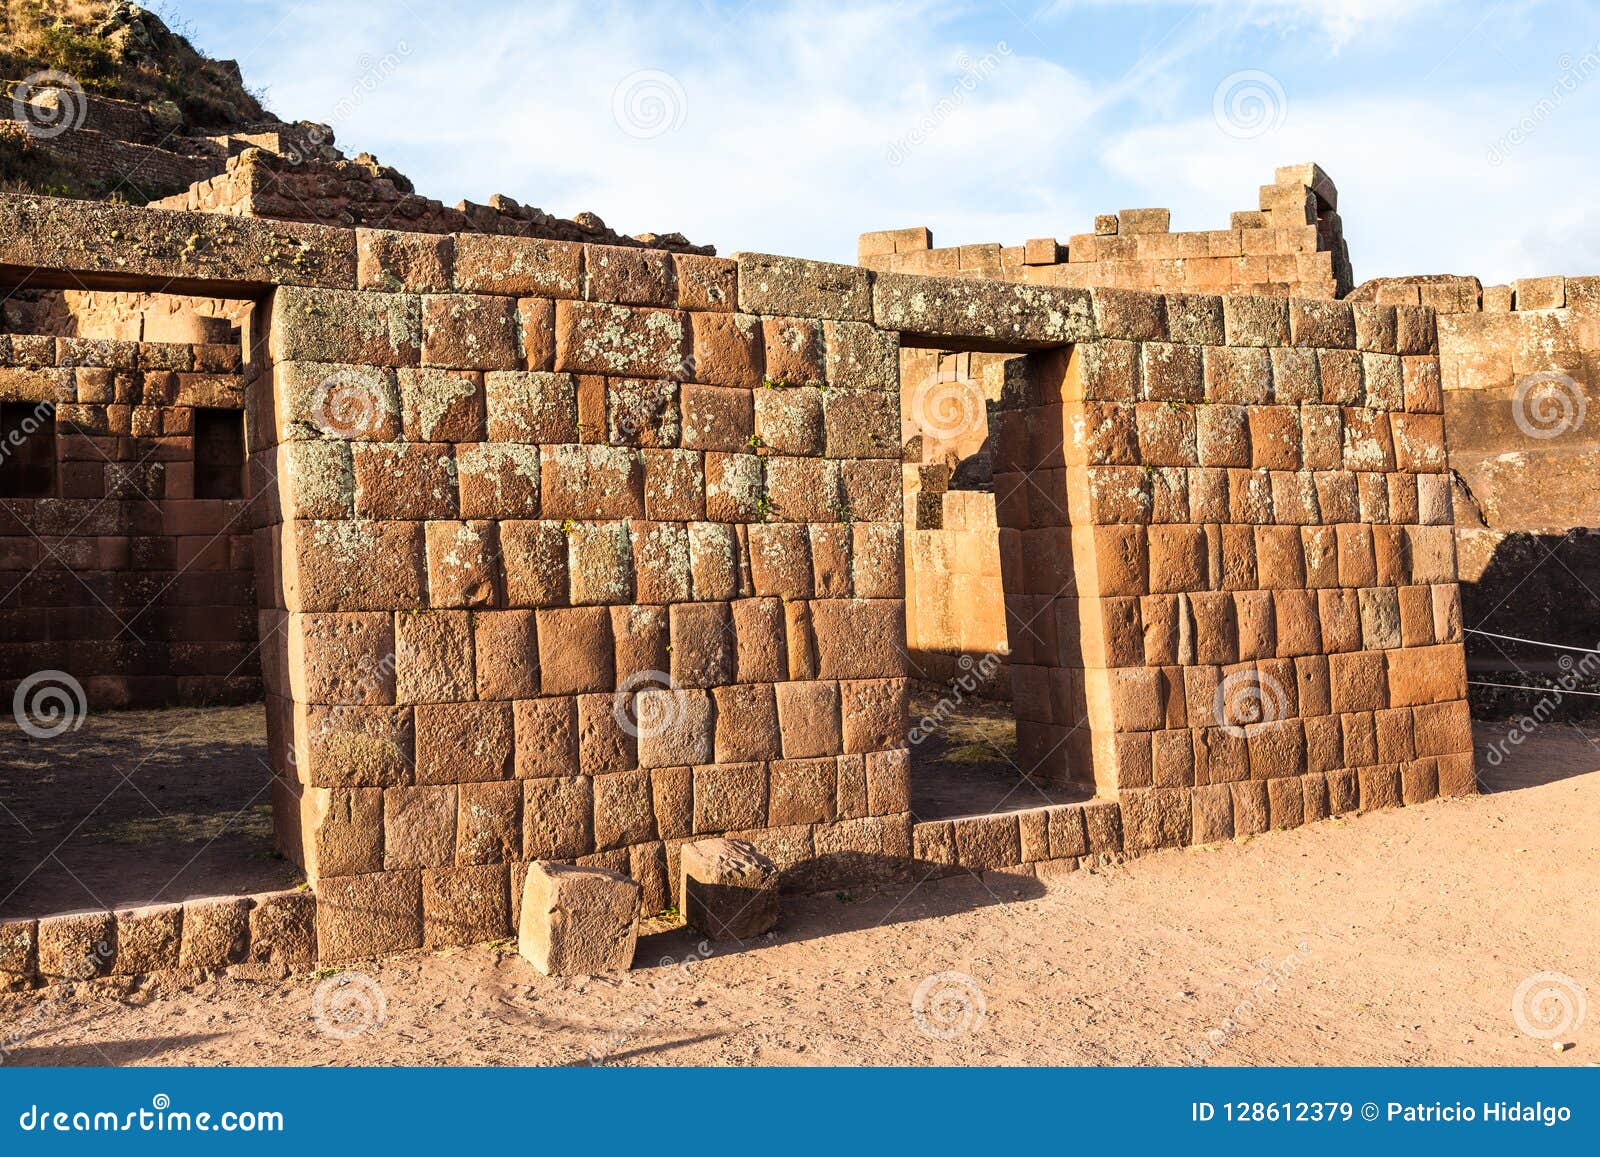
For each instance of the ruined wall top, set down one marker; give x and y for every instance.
(1292, 245)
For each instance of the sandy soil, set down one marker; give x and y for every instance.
(1394, 938)
(137, 807)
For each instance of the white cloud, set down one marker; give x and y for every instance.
(1339, 22)
(1417, 190)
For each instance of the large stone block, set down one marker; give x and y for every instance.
(980, 310)
(729, 889)
(791, 287)
(577, 921)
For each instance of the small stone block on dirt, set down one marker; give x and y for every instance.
(578, 921)
(729, 890)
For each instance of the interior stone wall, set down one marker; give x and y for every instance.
(121, 576)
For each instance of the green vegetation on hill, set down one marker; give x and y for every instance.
(119, 50)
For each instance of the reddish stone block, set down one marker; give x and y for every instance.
(735, 488)
(873, 714)
(468, 332)
(730, 797)
(464, 742)
(706, 283)
(489, 823)
(759, 631)
(341, 658)
(517, 266)
(808, 717)
(747, 723)
(536, 321)
(674, 485)
(368, 915)
(410, 481)
(623, 810)
(802, 791)
(628, 276)
(661, 562)
(794, 351)
(546, 737)
(641, 635)
(702, 644)
(606, 740)
(859, 638)
(531, 406)
(780, 560)
(614, 339)
(441, 405)
(433, 657)
(534, 557)
(592, 482)
(575, 650)
(465, 905)
(354, 565)
(600, 563)
(641, 412)
(395, 262)
(790, 420)
(717, 417)
(498, 480)
(463, 564)
(728, 349)
(419, 827)
(557, 818)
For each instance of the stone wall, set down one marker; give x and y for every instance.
(1521, 375)
(584, 552)
(1293, 244)
(577, 552)
(120, 575)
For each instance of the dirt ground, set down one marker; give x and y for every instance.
(1401, 937)
(137, 807)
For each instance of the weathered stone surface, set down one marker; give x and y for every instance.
(972, 309)
(577, 921)
(790, 287)
(729, 889)
(112, 246)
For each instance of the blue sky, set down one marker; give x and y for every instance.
(1461, 136)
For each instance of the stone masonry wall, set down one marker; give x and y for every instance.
(1233, 599)
(1292, 245)
(120, 576)
(574, 552)
(1521, 375)
(583, 552)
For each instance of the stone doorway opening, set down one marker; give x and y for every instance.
(133, 754)
(971, 604)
